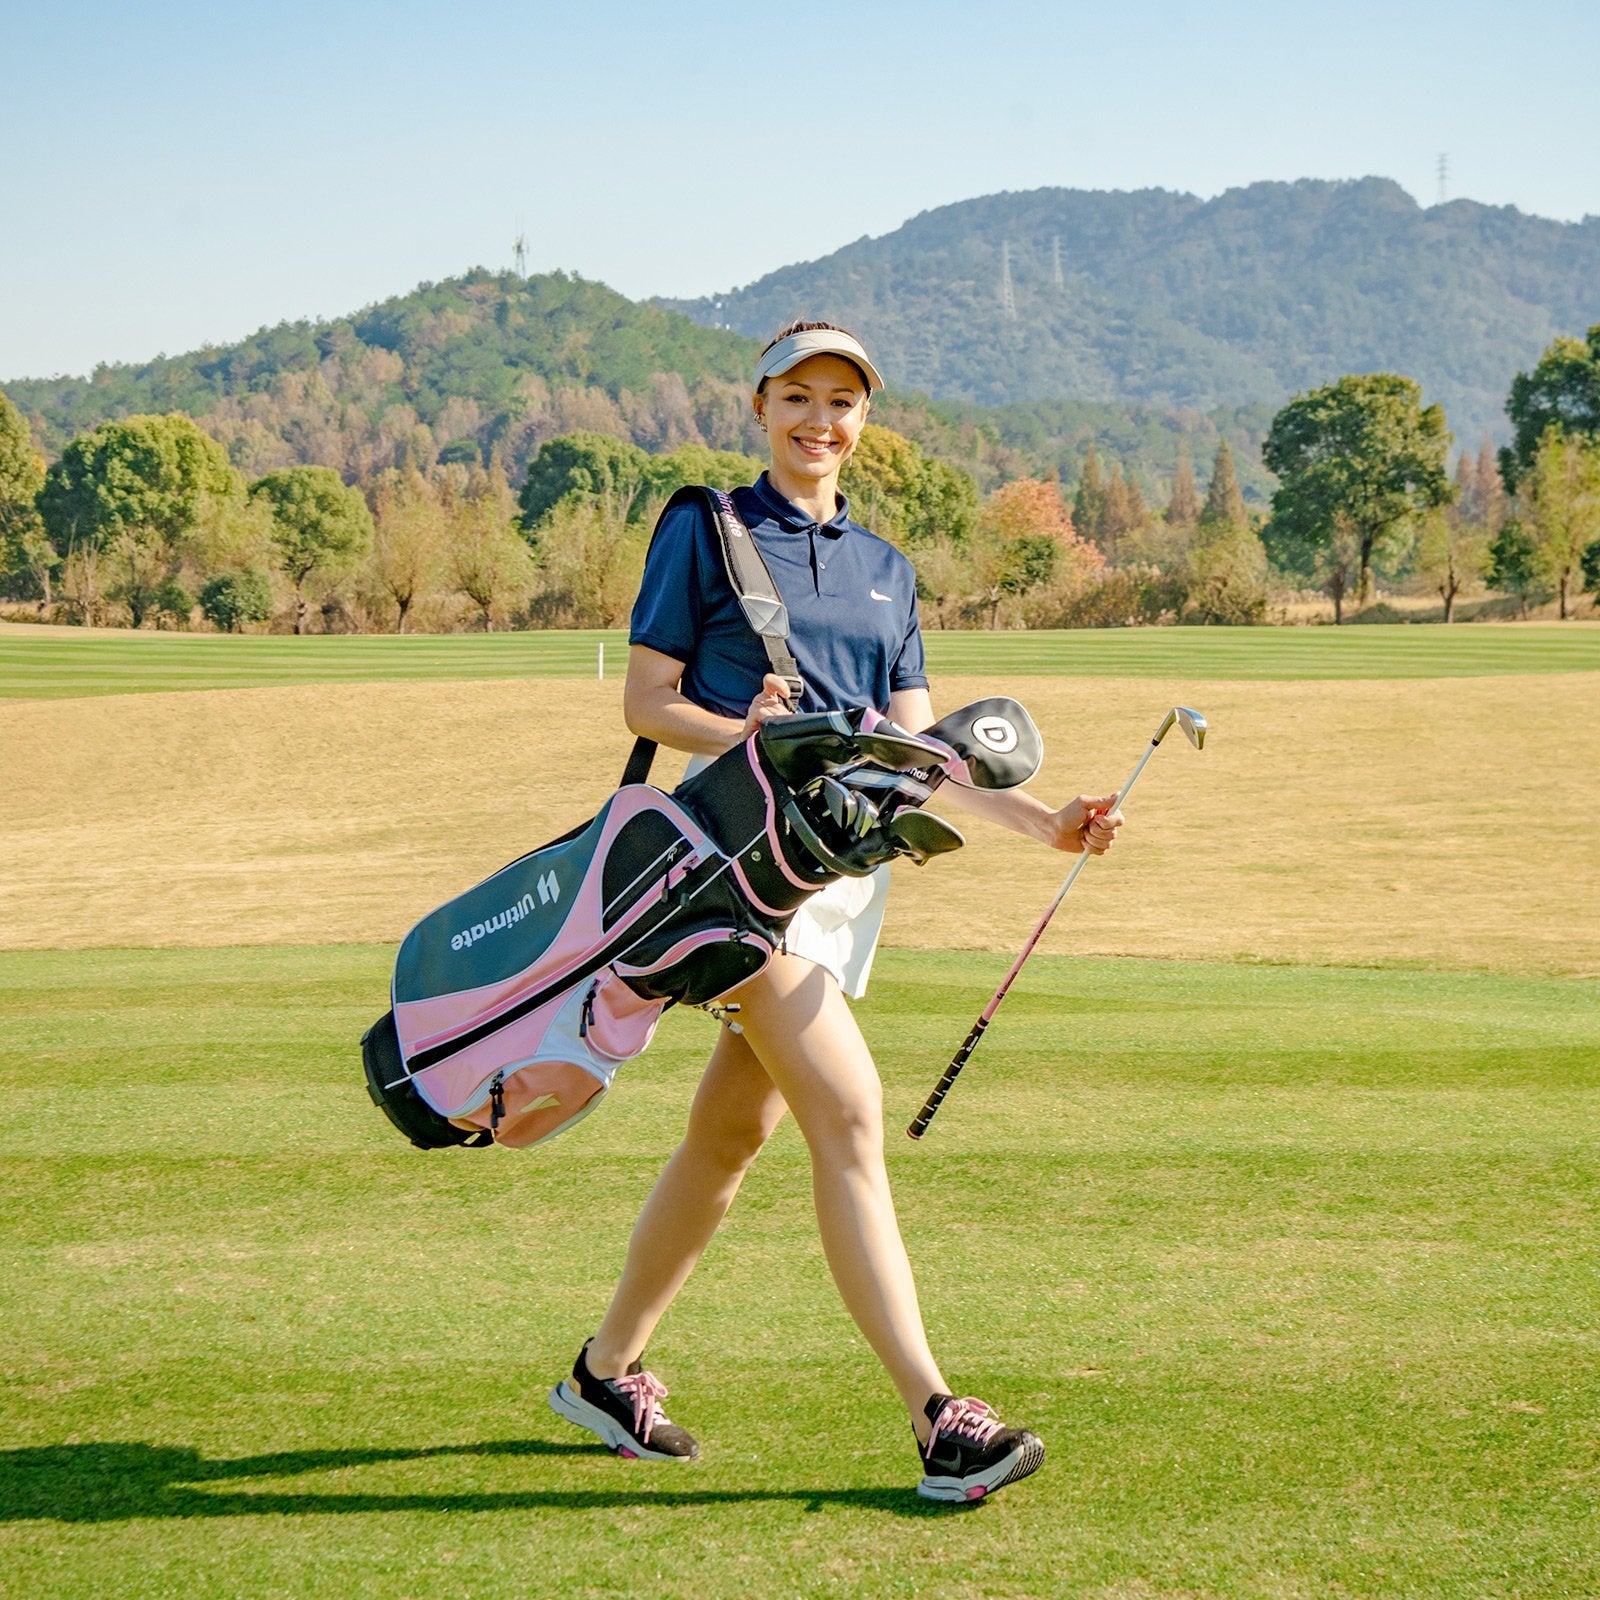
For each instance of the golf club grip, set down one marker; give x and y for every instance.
(919, 1123)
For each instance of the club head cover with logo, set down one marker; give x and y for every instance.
(993, 744)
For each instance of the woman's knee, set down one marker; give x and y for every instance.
(728, 1139)
(735, 1109)
(846, 1125)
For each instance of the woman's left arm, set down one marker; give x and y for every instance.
(1086, 822)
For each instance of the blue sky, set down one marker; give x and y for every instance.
(174, 174)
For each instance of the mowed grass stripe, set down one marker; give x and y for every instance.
(1291, 1267)
(55, 663)
(60, 664)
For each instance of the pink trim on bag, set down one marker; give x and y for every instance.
(772, 817)
(424, 1024)
(751, 895)
(696, 941)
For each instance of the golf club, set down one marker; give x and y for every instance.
(1194, 726)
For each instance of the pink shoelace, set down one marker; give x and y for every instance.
(646, 1391)
(966, 1419)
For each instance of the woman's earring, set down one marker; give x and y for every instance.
(761, 422)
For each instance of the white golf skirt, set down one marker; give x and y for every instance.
(838, 927)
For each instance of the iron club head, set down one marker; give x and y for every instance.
(1192, 723)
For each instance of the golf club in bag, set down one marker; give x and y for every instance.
(515, 1003)
(1194, 727)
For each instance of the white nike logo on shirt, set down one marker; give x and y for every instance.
(876, 596)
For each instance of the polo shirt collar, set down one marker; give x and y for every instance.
(790, 517)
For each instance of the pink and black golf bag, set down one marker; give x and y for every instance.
(515, 1003)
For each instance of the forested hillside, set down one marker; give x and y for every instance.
(483, 364)
(488, 367)
(1170, 301)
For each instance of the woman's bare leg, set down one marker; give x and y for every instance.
(735, 1110)
(806, 1037)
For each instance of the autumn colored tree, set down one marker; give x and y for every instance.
(1183, 503)
(1227, 565)
(1124, 514)
(1025, 539)
(589, 566)
(1227, 575)
(1489, 490)
(408, 540)
(320, 527)
(486, 559)
(1480, 495)
(1453, 541)
(1224, 504)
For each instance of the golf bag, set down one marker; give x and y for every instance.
(515, 1003)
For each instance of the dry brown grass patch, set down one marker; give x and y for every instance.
(1443, 823)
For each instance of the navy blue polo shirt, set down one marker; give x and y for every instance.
(852, 600)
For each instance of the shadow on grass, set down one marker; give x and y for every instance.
(118, 1482)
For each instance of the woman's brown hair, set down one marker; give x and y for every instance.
(803, 327)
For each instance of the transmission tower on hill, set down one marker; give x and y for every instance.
(1444, 177)
(1008, 301)
(519, 254)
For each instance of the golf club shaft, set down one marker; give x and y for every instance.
(919, 1123)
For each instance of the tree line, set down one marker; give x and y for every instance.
(148, 520)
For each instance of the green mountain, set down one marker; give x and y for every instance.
(1166, 300)
(491, 359)
(491, 365)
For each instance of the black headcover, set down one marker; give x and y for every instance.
(995, 743)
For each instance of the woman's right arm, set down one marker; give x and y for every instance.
(654, 708)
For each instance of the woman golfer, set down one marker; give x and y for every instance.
(697, 681)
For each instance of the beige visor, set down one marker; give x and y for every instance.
(790, 352)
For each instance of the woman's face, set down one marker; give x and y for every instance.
(814, 414)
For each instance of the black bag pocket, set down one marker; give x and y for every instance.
(396, 1095)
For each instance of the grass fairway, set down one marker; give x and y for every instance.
(50, 663)
(1294, 1269)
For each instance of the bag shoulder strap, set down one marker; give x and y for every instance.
(753, 587)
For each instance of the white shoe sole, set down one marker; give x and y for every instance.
(1026, 1458)
(566, 1402)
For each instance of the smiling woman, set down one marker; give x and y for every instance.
(698, 681)
(814, 415)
